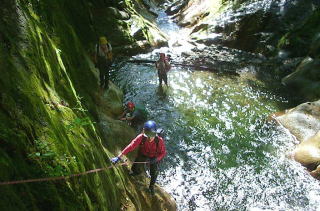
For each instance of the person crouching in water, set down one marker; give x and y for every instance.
(151, 149)
(135, 115)
(163, 67)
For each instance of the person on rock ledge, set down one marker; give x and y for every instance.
(151, 149)
(103, 60)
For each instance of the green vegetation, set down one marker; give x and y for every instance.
(49, 104)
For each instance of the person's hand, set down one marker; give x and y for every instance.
(153, 160)
(115, 160)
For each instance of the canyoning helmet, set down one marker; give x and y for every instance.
(103, 40)
(130, 105)
(150, 126)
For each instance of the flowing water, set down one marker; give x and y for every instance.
(223, 154)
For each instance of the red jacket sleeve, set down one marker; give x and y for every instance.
(162, 149)
(134, 144)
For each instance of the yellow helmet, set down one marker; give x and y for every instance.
(103, 40)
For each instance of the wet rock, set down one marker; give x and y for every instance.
(121, 15)
(308, 152)
(139, 35)
(199, 28)
(282, 54)
(121, 5)
(193, 12)
(176, 44)
(305, 79)
(146, 3)
(303, 122)
(315, 46)
(218, 39)
(176, 7)
(142, 46)
(285, 66)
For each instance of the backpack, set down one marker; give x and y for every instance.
(163, 66)
(168, 66)
(109, 52)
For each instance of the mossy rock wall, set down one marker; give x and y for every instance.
(53, 120)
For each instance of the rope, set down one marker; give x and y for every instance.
(62, 177)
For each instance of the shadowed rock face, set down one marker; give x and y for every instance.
(305, 79)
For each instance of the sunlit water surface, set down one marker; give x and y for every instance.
(223, 154)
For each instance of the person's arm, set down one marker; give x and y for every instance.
(134, 144)
(122, 115)
(168, 65)
(110, 55)
(130, 117)
(127, 118)
(96, 54)
(162, 149)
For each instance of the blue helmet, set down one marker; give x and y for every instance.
(150, 126)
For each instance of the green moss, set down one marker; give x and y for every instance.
(46, 129)
(51, 111)
(299, 40)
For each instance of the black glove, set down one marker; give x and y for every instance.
(153, 161)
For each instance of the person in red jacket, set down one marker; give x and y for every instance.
(151, 149)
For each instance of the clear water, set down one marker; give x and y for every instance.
(223, 154)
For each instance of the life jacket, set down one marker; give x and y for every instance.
(156, 139)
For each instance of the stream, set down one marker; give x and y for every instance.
(222, 152)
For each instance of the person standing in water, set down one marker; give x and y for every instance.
(163, 66)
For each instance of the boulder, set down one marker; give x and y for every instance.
(308, 152)
(305, 79)
(121, 15)
(303, 122)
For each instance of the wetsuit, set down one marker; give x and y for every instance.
(104, 64)
(139, 115)
(162, 67)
